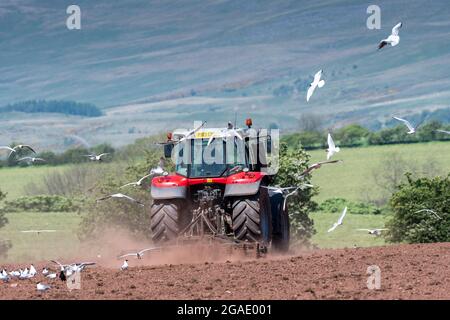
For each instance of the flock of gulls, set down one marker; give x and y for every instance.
(62, 272)
(66, 270)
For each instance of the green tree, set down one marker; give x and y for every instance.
(352, 135)
(292, 163)
(409, 225)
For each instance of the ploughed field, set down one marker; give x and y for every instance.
(407, 272)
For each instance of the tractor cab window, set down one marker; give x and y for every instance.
(214, 160)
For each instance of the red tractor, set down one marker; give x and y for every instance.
(225, 200)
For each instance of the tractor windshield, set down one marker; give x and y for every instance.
(215, 160)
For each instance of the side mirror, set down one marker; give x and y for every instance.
(168, 150)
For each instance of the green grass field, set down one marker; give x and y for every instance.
(43, 246)
(347, 235)
(353, 178)
(13, 180)
(347, 180)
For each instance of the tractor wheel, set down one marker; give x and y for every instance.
(165, 220)
(251, 218)
(280, 241)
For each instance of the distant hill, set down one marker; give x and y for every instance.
(54, 106)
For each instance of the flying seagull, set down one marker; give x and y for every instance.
(185, 136)
(137, 183)
(393, 39)
(375, 232)
(94, 157)
(443, 131)
(429, 211)
(332, 149)
(37, 231)
(18, 147)
(31, 159)
(122, 196)
(159, 170)
(286, 192)
(408, 124)
(317, 165)
(316, 83)
(339, 222)
(225, 134)
(138, 255)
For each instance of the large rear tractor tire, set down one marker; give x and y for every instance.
(165, 220)
(252, 219)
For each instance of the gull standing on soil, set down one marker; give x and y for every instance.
(42, 287)
(429, 211)
(15, 273)
(138, 255)
(124, 266)
(332, 149)
(94, 157)
(316, 83)
(33, 271)
(44, 271)
(393, 39)
(375, 232)
(121, 196)
(340, 220)
(4, 276)
(408, 124)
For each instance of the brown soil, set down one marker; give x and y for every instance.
(407, 272)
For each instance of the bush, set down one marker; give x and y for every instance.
(42, 203)
(338, 204)
(116, 212)
(407, 225)
(292, 163)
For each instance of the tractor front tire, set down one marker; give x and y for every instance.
(165, 220)
(252, 219)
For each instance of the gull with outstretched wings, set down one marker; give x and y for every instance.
(408, 124)
(429, 211)
(31, 159)
(332, 149)
(286, 192)
(340, 220)
(317, 165)
(139, 254)
(121, 196)
(137, 183)
(94, 157)
(317, 82)
(443, 131)
(18, 147)
(375, 232)
(393, 38)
